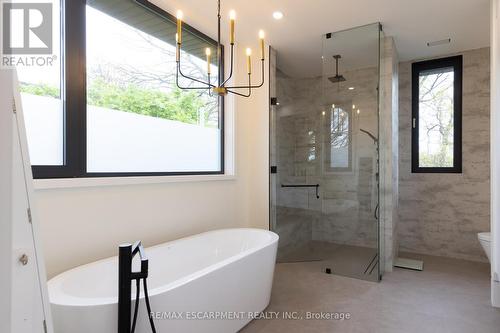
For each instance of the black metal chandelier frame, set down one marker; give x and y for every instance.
(221, 88)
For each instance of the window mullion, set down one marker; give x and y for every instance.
(75, 81)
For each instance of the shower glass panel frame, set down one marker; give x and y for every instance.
(324, 157)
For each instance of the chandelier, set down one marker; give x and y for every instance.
(220, 87)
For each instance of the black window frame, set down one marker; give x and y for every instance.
(456, 62)
(74, 83)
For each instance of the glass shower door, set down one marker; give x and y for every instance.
(324, 158)
(350, 166)
(298, 188)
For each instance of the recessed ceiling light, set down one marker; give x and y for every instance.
(278, 15)
(351, 88)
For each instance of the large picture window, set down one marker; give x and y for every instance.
(437, 116)
(123, 114)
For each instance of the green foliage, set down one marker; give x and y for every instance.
(40, 90)
(173, 105)
(442, 159)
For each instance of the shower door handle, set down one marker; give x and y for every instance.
(375, 214)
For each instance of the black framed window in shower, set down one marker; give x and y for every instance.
(437, 116)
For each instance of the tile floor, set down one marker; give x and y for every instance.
(448, 296)
(346, 260)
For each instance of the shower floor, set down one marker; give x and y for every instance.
(346, 260)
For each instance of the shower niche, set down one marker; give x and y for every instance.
(325, 153)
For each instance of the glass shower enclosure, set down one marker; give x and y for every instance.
(324, 153)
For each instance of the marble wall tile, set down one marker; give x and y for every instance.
(344, 212)
(441, 214)
(295, 226)
(389, 153)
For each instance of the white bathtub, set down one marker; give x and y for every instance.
(198, 279)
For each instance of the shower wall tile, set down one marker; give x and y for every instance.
(441, 214)
(294, 226)
(344, 212)
(389, 153)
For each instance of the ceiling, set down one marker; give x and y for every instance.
(298, 36)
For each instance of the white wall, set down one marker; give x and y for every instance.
(83, 224)
(5, 200)
(495, 152)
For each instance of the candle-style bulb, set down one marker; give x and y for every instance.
(180, 16)
(249, 61)
(208, 53)
(232, 17)
(262, 34)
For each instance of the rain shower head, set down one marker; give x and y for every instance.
(337, 78)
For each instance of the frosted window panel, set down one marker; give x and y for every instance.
(127, 142)
(340, 157)
(42, 103)
(44, 118)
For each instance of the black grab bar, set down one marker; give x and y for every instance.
(305, 185)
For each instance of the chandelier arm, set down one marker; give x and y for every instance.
(192, 78)
(192, 88)
(237, 93)
(187, 88)
(231, 69)
(250, 86)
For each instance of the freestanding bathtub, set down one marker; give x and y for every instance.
(211, 282)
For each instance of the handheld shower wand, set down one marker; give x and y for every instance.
(125, 278)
